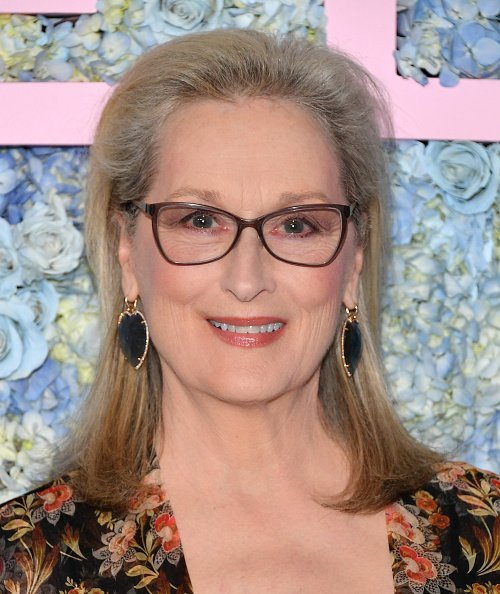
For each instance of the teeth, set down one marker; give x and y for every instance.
(272, 327)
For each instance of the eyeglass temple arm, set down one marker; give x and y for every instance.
(141, 205)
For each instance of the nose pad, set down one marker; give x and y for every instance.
(247, 272)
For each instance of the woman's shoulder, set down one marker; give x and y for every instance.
(458, 487)
(53, 536)
(43, 509)
(459, 481)
(448, 531)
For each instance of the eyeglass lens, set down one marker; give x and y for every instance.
(189, 235)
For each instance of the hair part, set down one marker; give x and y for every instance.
(113, 443)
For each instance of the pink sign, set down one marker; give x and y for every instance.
(47, 6)
(66, 113)
(367, 31)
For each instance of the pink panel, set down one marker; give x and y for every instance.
(47, 6)
(469, 111)
(65, 113)
(50, 113)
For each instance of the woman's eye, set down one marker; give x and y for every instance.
(297, 226)
(202, 221)
(294, 226)
(198, 220)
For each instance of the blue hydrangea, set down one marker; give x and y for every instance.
(465, 42)
(52, 391)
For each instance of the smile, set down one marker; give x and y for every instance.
(260, 329)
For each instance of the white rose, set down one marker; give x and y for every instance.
(178, 17)
(47, 240)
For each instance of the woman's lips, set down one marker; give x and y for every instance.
(248, 332)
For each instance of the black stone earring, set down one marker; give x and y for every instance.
(133, 334)
(350, 341)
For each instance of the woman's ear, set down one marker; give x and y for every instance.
(125, 257)
(351, 292)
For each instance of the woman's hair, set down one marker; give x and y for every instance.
(114, 440)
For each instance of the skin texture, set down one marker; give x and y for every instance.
(242, 449)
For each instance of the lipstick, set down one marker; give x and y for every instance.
(248, 332)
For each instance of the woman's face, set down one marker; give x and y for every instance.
(252, 157)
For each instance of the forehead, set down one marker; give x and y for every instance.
(252, 147)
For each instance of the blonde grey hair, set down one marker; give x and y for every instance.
(112, 448)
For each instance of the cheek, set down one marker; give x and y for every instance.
(323, 288)
(168, 302)
(158, 282)
(166, 291)
(175, 301)
(319, 297)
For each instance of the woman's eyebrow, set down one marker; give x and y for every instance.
(210, 196)
(213, 197)
(291, 198)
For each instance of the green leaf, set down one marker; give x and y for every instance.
(15, 524)
(140, 570)
(145, 581)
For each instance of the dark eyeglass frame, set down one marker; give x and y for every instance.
(152, 210)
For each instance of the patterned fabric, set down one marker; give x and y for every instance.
(443, 538)
(446, 536)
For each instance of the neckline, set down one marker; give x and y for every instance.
(174, 550)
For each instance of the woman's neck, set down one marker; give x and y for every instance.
(243, 445)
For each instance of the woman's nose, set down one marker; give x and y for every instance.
(248, 268)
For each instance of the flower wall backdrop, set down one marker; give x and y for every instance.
(103, 45)
(441, 315)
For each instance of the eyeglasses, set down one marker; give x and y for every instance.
(188, 234)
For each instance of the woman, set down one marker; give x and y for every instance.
(237, 206)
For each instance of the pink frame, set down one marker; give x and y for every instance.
(66, 113)
(469, 111)
(47, 6)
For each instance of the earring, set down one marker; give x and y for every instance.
(350, 341)
(133, 334)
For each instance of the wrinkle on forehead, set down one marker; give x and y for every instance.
(250, 157)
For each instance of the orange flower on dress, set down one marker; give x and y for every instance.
(119, 543)
(423, 570)
(6, 511)
(439, 520)
(478, 589)
(403, 523)
(166, 528)
(150, 496)
(425, 501)
(55, 497)
(450, 474)
(418, 569)
(496, 589)
(117, 549)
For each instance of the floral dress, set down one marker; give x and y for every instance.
(443, 538)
